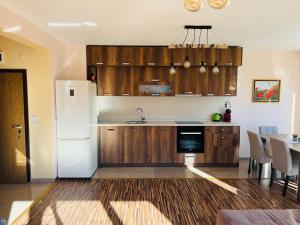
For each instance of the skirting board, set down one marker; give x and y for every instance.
(42, 180)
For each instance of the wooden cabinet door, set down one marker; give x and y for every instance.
(139, 56)
(124, 84)
(232, 56)
(112, 56)
(135, 145)
(178, 56)
(186, 81)
(107, 80)
(228, 81)
(210, 56)
(163, 56)
(163, 145)
(95, 55)
(150, 56)
(111, 142)
(114, 81)
(213, 83)
(126, 55)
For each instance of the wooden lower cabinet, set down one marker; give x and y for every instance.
(222, 145)
(139, 145)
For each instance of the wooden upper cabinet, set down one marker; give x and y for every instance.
(228, 81)
(114, 81)
(95, 55)
(232, 56)
(213, 83)
(178, 56)
(126, 55)
(163, 56)
(186, 81)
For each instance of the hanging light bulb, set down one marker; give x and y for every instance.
(202, 68)
(193, 5)
(216, 69)
(218, 4)
(187, 63)
(172, 69)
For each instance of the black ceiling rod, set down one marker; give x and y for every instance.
(200, 27)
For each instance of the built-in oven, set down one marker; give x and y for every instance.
(190, 139)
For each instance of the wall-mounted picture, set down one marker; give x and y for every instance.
(266, 91)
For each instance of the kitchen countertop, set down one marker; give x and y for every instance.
(164, 123)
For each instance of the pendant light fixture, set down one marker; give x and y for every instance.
(216, 69)
(187, 63)
(193, 5)
(218, 4)
(172, 69)
(202, 68)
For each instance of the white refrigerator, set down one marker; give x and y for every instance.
(76, 116)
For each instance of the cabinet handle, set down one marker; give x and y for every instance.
(177, 64)
(229, 64)
(110, 129)
(99, 63)
(151, 64)
(155, 80)
(125, 63)
(222, 137)
(125, 94)
(105, 94)
(190, 133)
(188, 92)
(155, 94)
(227, 94)
(210, 94)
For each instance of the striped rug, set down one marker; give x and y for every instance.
(150, 201)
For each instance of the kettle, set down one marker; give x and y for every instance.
(217, 117)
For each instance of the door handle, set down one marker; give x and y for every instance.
(16, 126)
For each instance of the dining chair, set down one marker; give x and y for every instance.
(257, 153)
(282, 161)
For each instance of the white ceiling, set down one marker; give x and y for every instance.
(259, 23)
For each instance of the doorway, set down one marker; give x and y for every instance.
(14, 127)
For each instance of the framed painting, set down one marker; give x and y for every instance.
(266, 91)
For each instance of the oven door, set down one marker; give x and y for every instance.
(190, 140)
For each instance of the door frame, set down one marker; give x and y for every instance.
(26, 115)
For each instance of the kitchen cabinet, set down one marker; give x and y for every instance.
(208, 55)
(213, 84)
(114, 81)
(126, 55)
(152, 81)
(135, 145)
(231, 56)
(222, 145)
(228, 81)
(186, 81)
(111, 145)
(163, 145)
(95, 55)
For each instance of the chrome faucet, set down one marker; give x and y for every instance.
(141, 111)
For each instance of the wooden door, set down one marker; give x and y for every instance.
(163, 145)
(228, 81)
(107, 80)
(13, 149)
(95, 55)
(135, 146)
(186, 81)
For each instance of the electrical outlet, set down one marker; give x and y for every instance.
(163, 105)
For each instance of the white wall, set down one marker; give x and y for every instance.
(257, 64)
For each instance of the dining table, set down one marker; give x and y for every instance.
(294, 147)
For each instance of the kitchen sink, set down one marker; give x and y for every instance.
(136, 122)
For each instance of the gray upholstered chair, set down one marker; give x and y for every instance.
(257, 153)
(282, 161)
(268, 130)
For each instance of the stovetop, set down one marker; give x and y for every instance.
(188, 122)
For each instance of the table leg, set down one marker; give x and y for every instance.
(298, 192)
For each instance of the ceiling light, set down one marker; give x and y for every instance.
(11, 29)
(202, 68)
(90, 24)
(218, 4)
(187, 63)
(216, 69)
(172, 69)
(52, 24)
(193, 5)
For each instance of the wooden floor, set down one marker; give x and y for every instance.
(152, 201)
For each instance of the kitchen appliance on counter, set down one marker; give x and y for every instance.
(216, 117)
(76, 111)
(190, 139)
